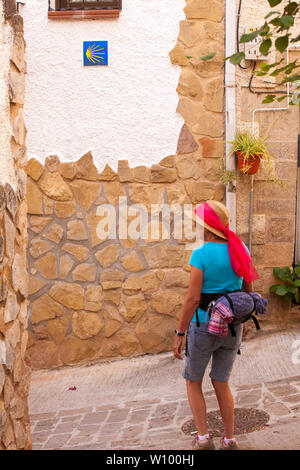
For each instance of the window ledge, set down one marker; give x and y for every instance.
(83, 14)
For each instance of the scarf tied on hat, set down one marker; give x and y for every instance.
(239, 257)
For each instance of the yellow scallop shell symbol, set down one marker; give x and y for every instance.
(94, 54)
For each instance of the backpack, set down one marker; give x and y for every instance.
(243, 306)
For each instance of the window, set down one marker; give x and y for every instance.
(88, 5)
(84, 8)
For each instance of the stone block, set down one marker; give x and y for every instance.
(146, 194)
(45, 308)
(135, 307)
(34, 284)
(93, 298)
(38, 247)
(64, 209)
(38, 223)
(168, 161)
(178, 55)
(53, 185)
(141, 174)
(73, 350)
(209, 124)
(19, 274)
(124, 171)
(190, 32)
(58, 328)
(176, 278)
(131, 262)
(76, 230)
(85, 192)
(147, 283)
(85, 272)
(34, 169)
(167, 302)
(68, 170)
(190, 85)
(82, 253)
(162, 333)
(108, 174)
(112, 279)
(18, 52)
(108, 255)
(113, 296)
(69, 295)
(11, 308)
(113, 320)
(188, 166)
(65, 265)
(160, 174)
(46, 266)
(122, 343)
(113, 190)
(280, 229)
(54, 233)
(192, 112)
(86, 324)
(10, 234)
(163, 256)
(52, 163)
(34, 198)
(44, 355)
(280, 254)
(214, 95)
(86, 168)
(19, 129)
(212, 11)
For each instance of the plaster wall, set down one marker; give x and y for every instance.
(124, 111)
(7, 174)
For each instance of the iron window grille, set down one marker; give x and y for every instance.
(69, 5)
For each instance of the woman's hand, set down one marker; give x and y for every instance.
(177, 347)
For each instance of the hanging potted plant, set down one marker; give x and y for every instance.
(251, 151)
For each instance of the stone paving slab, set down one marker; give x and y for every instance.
(156, 424)
(141, 403)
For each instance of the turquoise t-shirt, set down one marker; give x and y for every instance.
(218, 276)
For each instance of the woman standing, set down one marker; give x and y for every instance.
(222, 264)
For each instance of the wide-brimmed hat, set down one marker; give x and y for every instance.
(220, 210)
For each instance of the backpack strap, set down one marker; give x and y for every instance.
(197, 318)
(230, 302)
(255, 321)
(232, 330)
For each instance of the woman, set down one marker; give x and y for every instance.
(222, 264)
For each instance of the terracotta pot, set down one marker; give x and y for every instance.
(253, 162)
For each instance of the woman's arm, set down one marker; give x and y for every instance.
(191, 302)
(248, 287)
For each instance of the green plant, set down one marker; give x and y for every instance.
(249, 145)
(291, 283)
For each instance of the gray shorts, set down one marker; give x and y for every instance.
(201, 346)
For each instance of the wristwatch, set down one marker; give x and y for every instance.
(178, 333)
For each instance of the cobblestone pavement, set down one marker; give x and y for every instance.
(141, 403)
(156, 424)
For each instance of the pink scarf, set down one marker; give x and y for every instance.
(239, 257)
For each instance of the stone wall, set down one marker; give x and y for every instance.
(91, 298)
(14, 372)
(274, 206)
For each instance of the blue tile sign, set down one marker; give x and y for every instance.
(95, 53)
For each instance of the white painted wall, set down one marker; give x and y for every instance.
(124, 111)
(7, 172)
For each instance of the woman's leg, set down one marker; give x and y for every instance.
(226, 404)
(198, 405)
